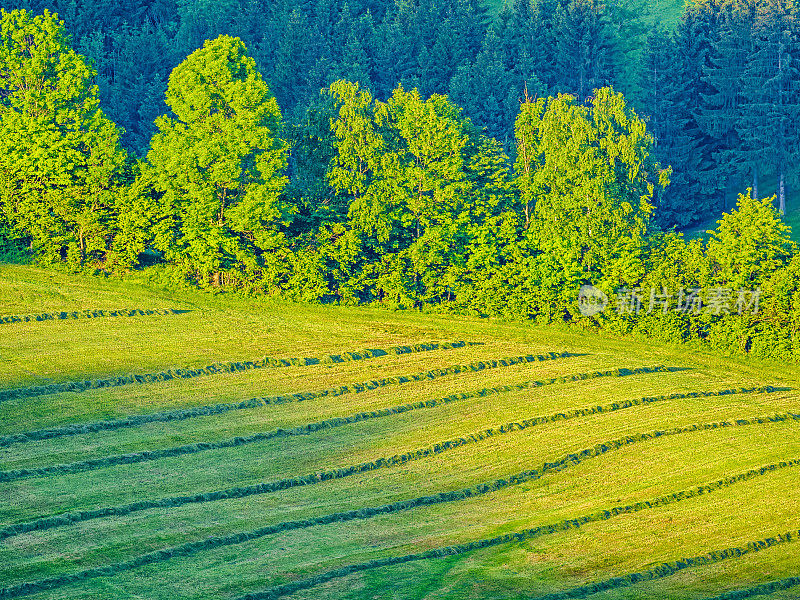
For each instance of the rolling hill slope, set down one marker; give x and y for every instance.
(215, 447)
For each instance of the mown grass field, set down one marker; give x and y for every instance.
(525, 462)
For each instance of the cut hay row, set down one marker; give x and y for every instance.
(597, 450)
(191, 548)
(216, 409)
(90, 314)
(663, 570)
(670, 568)
(150, 455)
(218, 368)
(52, 522)
(760, 590)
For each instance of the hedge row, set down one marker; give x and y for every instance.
(663, 570)
(265, 488)
(148, 455)
(211, 543)
(229, 367)
(760, 590)
(89, 314)
(215, 409)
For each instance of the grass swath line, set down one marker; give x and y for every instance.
(90, 314)
(190, 548)
(51, 522)
(150, 455)
(217, 368)
(663, 570)
(215, 409)
(670, 568)
(760, 590)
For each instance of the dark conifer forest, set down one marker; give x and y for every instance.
(719, 93)
(413, 153)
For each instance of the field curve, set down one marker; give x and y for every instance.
(613, 475)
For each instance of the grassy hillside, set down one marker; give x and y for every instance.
(667, 12)
(398, 456)
(767, 187)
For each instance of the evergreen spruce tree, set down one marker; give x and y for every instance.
(515, 29)
(294, 61)
(586, 48)
(391, 59)
(663, 98)
(720, 102)
(356, 64)
(771, 110)
(482, 88)
(693, 38)
(541, 44)
(133, 63)
(627, 23)
(522, 34)
(402, 42)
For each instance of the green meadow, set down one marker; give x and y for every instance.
(667, 12)
(181, 445)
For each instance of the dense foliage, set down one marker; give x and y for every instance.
(407, 201)
(60, 158)
(216, 170)
(720, 93)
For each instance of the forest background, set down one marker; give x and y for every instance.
(442, 155)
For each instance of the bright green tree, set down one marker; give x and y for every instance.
(749, 244)
(418, 175)
(587, 173)
(60, 158)
(529, 154)
(218, 168)
(400, 161)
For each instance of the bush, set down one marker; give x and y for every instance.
(12, 248)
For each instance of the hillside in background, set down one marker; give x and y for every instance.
(667, 12)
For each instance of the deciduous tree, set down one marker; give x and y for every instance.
(60, 158)
(218, 167)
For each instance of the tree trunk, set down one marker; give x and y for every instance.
(755, 183)
(215, 279)
(781, 194)
(82, 245)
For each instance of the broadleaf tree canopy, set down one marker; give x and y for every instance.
(60, 158)
(218, 164)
